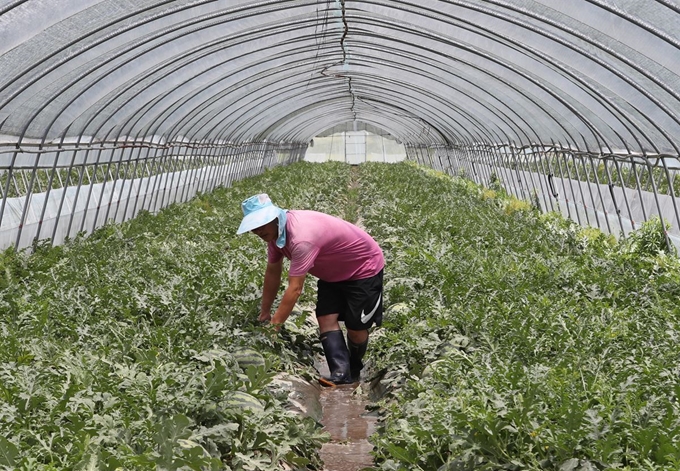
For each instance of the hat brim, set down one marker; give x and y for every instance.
(258, 218)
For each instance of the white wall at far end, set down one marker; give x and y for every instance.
(355, 147)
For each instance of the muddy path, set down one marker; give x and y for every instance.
(345, 416)
(349, 423)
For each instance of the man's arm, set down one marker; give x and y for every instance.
(272, 281)
(290, 297)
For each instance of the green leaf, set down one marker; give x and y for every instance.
(90, 462)
(400, 453)
(172, 429)
(8, 452)
(569, 465)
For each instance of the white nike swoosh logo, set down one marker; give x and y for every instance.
(367, 317)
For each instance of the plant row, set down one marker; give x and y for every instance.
(138, 347)
(515, 340)
(511, 340)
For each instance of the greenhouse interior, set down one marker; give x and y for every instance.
(512, 163)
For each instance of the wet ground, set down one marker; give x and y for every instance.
(345, 417)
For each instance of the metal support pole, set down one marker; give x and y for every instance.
(638, 185)
(133, 182)
(661, 220)
(517, 173)
(610, 184)
(213, 158)
(116, 179)
(252, 156)
(526, 170)
(10, 172)
(107, 174)
(65, 186)
(81, 176)
(202, 169)
(174, 162)
(196, 163)
(156, 174)
(549, 182)
(558, 156)
(623, 190)
(580, 187)
(502, 171)
(50, 181)
(222, 165)
(542, 183)
(599, 191)
(148, 170)
(168, 165)
(243, 162)
(230, 168)
(238, 164)
(590, 189)
(484, 165)
(671, 191)
(27, 201)
(571, 187)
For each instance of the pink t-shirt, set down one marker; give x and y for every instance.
(327, 247)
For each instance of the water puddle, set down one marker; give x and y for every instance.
(345, 418)
(349, 423)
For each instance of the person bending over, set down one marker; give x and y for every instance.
(348, 264)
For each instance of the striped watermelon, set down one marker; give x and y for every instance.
(246, 357)
(457, 342)
(243, 400)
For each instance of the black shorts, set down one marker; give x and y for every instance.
(358, 302)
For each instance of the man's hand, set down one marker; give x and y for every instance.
(272, 281)
(290, 297)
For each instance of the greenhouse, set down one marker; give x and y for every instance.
(515, 161)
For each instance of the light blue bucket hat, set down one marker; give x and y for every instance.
(259, 210)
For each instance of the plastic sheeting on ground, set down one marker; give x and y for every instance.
(74, 209)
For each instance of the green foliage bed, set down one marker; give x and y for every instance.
(518, 341)
(511, 340)
(120, 350)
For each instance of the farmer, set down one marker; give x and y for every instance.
(346, 260)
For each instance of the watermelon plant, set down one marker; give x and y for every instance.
(514, 340)
(138, 347)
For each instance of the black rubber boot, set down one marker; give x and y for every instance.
(356, 354)
(337, 356)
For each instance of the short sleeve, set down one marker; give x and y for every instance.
(302, 258)
(274, 254)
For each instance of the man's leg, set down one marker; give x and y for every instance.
(357, 336)
(335, 350)
(328, 323)
(365, 308)
(357, 341)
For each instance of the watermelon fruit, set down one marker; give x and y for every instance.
(243, 400)
(246, 357)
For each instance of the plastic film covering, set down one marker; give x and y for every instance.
(592, 75)
(59, 192)
(129, 85)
